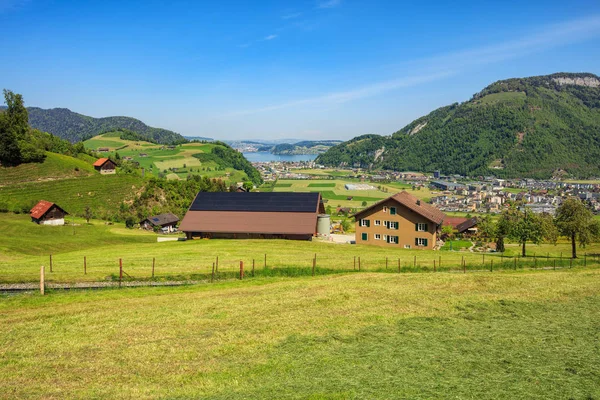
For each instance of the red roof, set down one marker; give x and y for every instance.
(40, 209)
(100, 162)
(454, 221)
(412, 203)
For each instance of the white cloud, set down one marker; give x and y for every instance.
(270, 37)
(328, 3)
(452, 63)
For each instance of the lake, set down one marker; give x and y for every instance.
(264, 156)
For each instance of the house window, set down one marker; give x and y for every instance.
(421, 242)
(392, 225)
(377, 222)
(365, 222)
(364, 236)
(385, 237)
(392, 210)
(377, 236)
(385, 209)
(407, 246)
(421, 227)
(393, 239)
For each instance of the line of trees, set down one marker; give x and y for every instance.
(573, 220)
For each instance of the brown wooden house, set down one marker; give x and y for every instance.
(253, 215)
(47, 213)
(105, 166)
(401, 221)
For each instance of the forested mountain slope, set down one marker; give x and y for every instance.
(75, 127)
(530, 127)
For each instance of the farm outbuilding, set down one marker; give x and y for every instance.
(167, 222)
(253, 215)
(105, 166)
(47, 213)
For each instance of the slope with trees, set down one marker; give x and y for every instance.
(530, 127)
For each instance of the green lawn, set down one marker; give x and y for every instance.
(55, 166)
(321, 185)
(26, 246)
(510, 335)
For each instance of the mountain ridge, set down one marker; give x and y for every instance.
(532, 127)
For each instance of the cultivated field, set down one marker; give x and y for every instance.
(27, 246)
(335, 193)
(509, 335)
(158, 158)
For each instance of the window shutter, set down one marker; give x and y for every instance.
(397, 241)
(416, 242)
(425, 242)
(426, 227)
(368, 223)
(417, 227)
(364, 236)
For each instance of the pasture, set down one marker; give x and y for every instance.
(178, 162)
(27, 246)
(335, 193)
(378, 336)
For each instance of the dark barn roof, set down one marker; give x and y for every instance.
(253, 212)
(162, 219)
(470, 223)
(256, 201)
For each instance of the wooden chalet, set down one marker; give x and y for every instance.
(47, 213)
(105, 166)
(253, 215)
(167, 222)
(401, 220)
(463, 226)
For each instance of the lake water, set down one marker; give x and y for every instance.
(263, 156)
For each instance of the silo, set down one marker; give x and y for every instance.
(323, 225)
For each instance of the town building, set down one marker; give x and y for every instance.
(253, 215)
(105, 166)
(401, 220)
(47, 213)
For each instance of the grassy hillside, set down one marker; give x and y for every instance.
(376, 336)
(55, 166)
(530, 127)
(103, 193)
(177, 163)
(26, 246)
(75, 127)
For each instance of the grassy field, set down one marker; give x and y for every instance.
(73, 195)
(26, 246)
(55, 166)
(510, 335)
(336, 195)
(159, 158)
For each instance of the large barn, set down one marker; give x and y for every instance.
(253, 215)
(47, 213)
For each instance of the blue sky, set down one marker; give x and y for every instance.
(310, 69)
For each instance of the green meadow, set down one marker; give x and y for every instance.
(509, 335)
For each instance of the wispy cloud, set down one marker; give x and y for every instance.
(291, 15)
(270, 37)
(328, 3)
(452, 63)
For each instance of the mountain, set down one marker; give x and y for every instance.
(524, 127)
(75, 127)
(304, 147)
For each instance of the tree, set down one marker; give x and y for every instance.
(526, 227)
(576, 222)
(364, 204)
(87, 214)
(448, 230)
(10, 153)
(501, 230)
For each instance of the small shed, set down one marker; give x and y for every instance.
(47, 213)
(167, 222)
(105, 166)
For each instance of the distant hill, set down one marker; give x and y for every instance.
(523, 127)
(199, 138)
(304, 147)
(75, 127)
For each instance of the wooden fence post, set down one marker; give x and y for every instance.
(386, 263)
(483, 260)
(42, 280)
(464, 265)
(492, 265)
(359, 263)
(84, 265)
(120, 271)
(433, 265)
(355, 263)
(398, 265)
(265, 260)
(585, 260)
(217, 265)
(314, 265)
(153, 262)
(50, 262)
(253, 267)
(241, 270)
(534, 261)
(212, 277)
